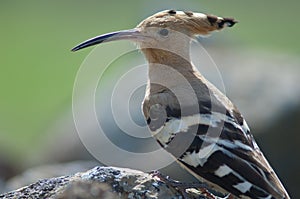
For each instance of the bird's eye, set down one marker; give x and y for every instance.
(164, 32)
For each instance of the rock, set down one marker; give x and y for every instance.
(33, 174)
(104, 182)
(87, 189)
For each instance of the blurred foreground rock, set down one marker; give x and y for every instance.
(103, 182)
(36, 173)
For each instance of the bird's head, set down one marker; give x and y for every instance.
(187, 22)
(166, 29)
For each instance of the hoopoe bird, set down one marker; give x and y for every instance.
(188, 116)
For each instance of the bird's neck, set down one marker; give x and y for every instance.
(169, 70)
(161, 62)
(167, 57)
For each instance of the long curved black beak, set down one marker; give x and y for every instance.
(132, 34)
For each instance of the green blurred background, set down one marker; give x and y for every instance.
(38, 70)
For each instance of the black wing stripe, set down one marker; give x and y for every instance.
(238, 165)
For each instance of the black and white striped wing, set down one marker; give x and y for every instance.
(225, 153)
(214, 143)
(218, 148)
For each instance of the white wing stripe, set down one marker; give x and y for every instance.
(223, 171)
(176, 125)
(195, 159)
(243, 186)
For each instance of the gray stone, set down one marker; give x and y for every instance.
(33, 174)
(105, 182)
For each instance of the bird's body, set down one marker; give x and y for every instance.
(191, 118)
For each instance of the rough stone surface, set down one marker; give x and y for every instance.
(107, 183)
(87, 189)
(33, 174)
